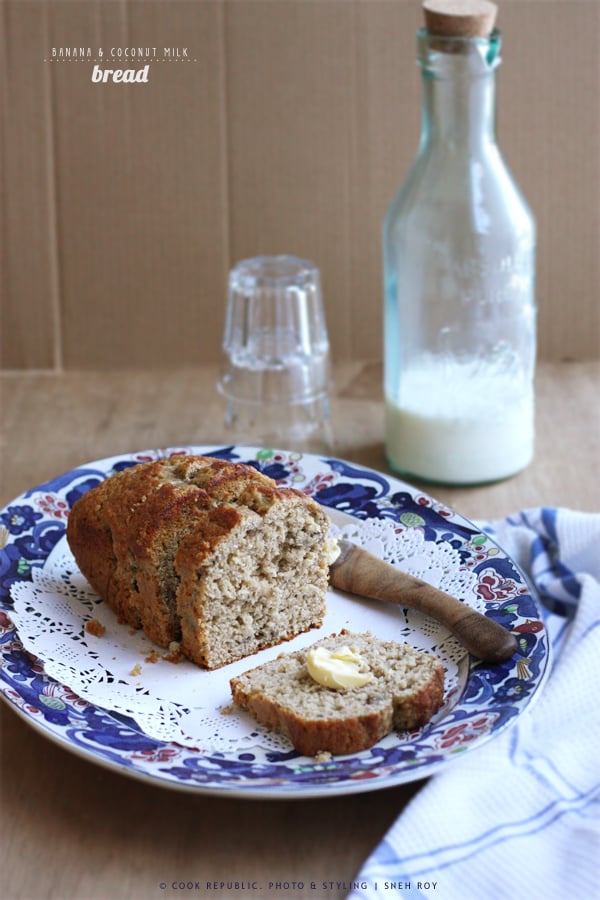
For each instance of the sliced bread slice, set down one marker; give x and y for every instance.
(406, 688)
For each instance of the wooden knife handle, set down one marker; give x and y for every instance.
(359, 572)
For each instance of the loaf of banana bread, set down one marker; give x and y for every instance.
(208, 553)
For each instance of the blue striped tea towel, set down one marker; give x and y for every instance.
(520, 816)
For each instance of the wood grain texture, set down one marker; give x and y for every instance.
(141, 187)
(125, 206)
(552, 145)
(29, 278)
(291, 124)
(87, 415)
(79, 832)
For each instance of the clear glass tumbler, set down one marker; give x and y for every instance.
(276, 377)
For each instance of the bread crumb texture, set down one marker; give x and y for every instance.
(95, 627)
(204, 553)
(406, 690)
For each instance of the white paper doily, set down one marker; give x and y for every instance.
(123, 672)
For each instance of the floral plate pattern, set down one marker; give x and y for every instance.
(492, 698)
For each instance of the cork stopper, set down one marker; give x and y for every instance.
(460, 18)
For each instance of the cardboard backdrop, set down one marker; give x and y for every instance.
(258, 127)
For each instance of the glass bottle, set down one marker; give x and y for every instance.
(459, 272)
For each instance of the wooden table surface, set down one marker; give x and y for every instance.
(73, 830)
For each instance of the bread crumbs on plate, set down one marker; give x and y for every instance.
(93, 626)
(137, 670)
(323, 756)
(175, 654)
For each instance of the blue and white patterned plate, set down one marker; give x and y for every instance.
(491, 698)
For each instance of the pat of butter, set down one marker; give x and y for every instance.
(341, 668)
(333, 550)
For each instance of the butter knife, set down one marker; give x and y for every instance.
(357, 571)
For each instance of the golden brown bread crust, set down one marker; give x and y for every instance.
(356, 733)
(144, 530)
